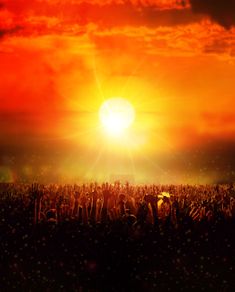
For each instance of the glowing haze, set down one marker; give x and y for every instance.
(173, 61)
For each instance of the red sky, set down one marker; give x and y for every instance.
(173, 60)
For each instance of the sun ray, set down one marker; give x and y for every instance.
(97, 80)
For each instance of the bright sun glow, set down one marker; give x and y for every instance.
(116, 115)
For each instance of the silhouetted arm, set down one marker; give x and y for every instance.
(84, 210)
(93, 206)
(104, 211)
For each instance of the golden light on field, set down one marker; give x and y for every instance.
(116, 114)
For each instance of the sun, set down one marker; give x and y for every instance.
(116, 115)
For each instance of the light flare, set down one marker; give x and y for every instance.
(116, 115)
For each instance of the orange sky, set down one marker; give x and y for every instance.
(173, 60)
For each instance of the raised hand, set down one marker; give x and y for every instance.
(36, 195)
(106, 194)
(83, 201)
(94, 195)
(153, 202)
(84, 209)
(104, 211)
(122, 204)
(36, 192)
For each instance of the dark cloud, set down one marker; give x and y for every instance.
(221, 11)
(10, 31)
(110, 15)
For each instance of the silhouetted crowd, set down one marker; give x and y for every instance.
(117, 237)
